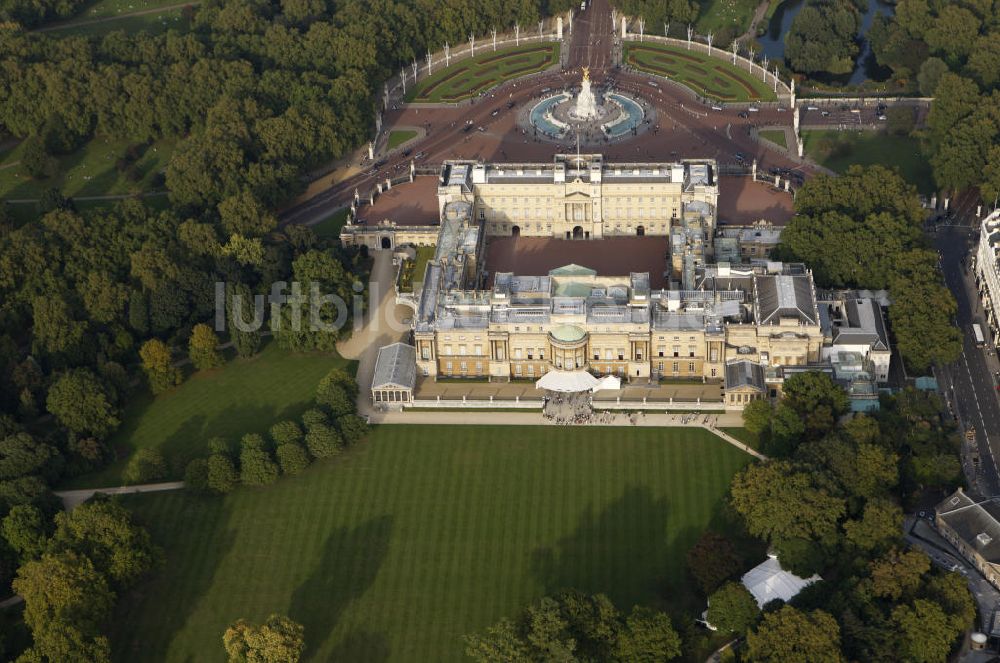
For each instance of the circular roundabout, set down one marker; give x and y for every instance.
(592, 117)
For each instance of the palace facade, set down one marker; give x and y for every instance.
(743, 323)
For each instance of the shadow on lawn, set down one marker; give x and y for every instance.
(351, 559)
(620, 552)
(150, 616)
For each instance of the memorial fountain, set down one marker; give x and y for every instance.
(592, 117)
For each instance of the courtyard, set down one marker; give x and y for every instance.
(611, 256)
(423, 534)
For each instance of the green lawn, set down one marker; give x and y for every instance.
(400, 136)
(124, 13)
(471, 76)
(837, 150)
(776, 136)
(27, 212)
(708, 76)
(154, 24)
(90, 171)
(106, 8)
(245, 396)
(422, 534)
(744, 436)
(330, 226)
(717, 15)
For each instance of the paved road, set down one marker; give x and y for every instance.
(685, 127)
(74, 498)
(969, 382)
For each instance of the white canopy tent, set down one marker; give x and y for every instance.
(567, 381)
(768, 581)
(571, 382)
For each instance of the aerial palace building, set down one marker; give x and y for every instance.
(667, 313)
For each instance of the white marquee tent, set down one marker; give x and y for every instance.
(575, 381)
(768, 581)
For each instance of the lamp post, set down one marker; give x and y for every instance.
(736, 47)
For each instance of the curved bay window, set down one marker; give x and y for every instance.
(568, 348)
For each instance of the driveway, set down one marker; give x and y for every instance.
(382, 325)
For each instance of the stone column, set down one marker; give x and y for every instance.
(753, 170)
(371, 150)
(792, 88)
(800, 144)
(624, 29)
(559, 29)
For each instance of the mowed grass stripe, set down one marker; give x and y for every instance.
(423, 534)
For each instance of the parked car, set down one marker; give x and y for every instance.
(716, 108)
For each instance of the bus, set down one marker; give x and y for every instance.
(977, 331)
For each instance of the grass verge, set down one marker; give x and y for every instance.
(330, 226)
(400, 136)
(425, 533)
(776, 136)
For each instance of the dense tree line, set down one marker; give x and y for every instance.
(72, 569)
(290, 446)
(824, 36)
(830, 502)
(571, 626)
(864, 230)
(952, 51)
